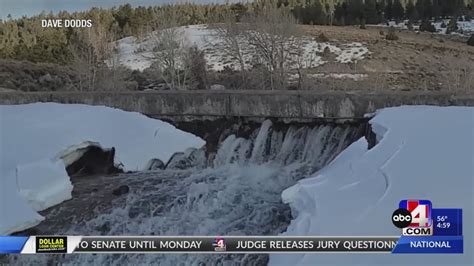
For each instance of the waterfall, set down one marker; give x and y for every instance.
(312, 147)
(234, 191)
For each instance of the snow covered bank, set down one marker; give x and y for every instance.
(424, 152)
(464, 27)
(139, 55)
(34, 138)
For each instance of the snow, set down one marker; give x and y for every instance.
(424, 152)
(464, 27)
(355, 76)
(344, 76)
(352, 52)
(138, 55)
(16, 213)
(43, 183)
(130, 56)
(39, 140)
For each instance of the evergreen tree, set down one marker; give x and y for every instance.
(380, 6)
(310, 14)
(370, 12)
(388, 10)
(355, 10)
(340, 13)
(446, 8)
(460, 7)
(315, 13)
(436, 9)
(397, 10)
(427, 8)
(411, 13)
(123, 15)
(420, 8)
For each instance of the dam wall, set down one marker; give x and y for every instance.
(292, 106)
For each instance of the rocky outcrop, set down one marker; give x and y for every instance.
(94, 161)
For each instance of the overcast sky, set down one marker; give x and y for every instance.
(18, 8)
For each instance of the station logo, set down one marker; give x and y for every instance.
(414, 217)
(219, 244)
(51, 244)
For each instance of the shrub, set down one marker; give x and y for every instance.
(197, 66)
(452, 26)
(391, 35)
(471, 40)
(323, 38)
(427, 26)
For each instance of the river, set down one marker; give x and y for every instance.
(238, 192)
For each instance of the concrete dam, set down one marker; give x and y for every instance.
(287, 106)
(258, 144)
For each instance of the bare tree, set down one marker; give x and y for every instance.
(84, 62)
(301, 62)
(271, 33)
(232, 42)
(91, 48)
(170, 51)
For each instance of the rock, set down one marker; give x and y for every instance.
(217, 87)
(155, 164)
(94, 161)
(123, 189)
(191, 158)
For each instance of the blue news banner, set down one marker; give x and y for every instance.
(447, 235)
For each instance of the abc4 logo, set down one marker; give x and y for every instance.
(414, 218)
(413, 213)
(401, 218)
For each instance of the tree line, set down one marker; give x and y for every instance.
(355, 12)
(25, 39)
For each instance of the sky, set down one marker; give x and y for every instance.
(18, 8)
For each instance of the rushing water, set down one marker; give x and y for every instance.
(237, 193)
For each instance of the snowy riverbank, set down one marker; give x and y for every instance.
(34, 136)
(138, 54)
(424, 152)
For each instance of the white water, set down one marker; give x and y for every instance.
(239, 195)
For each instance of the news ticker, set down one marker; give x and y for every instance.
(228, 244)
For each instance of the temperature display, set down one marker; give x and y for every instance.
(447, 222)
